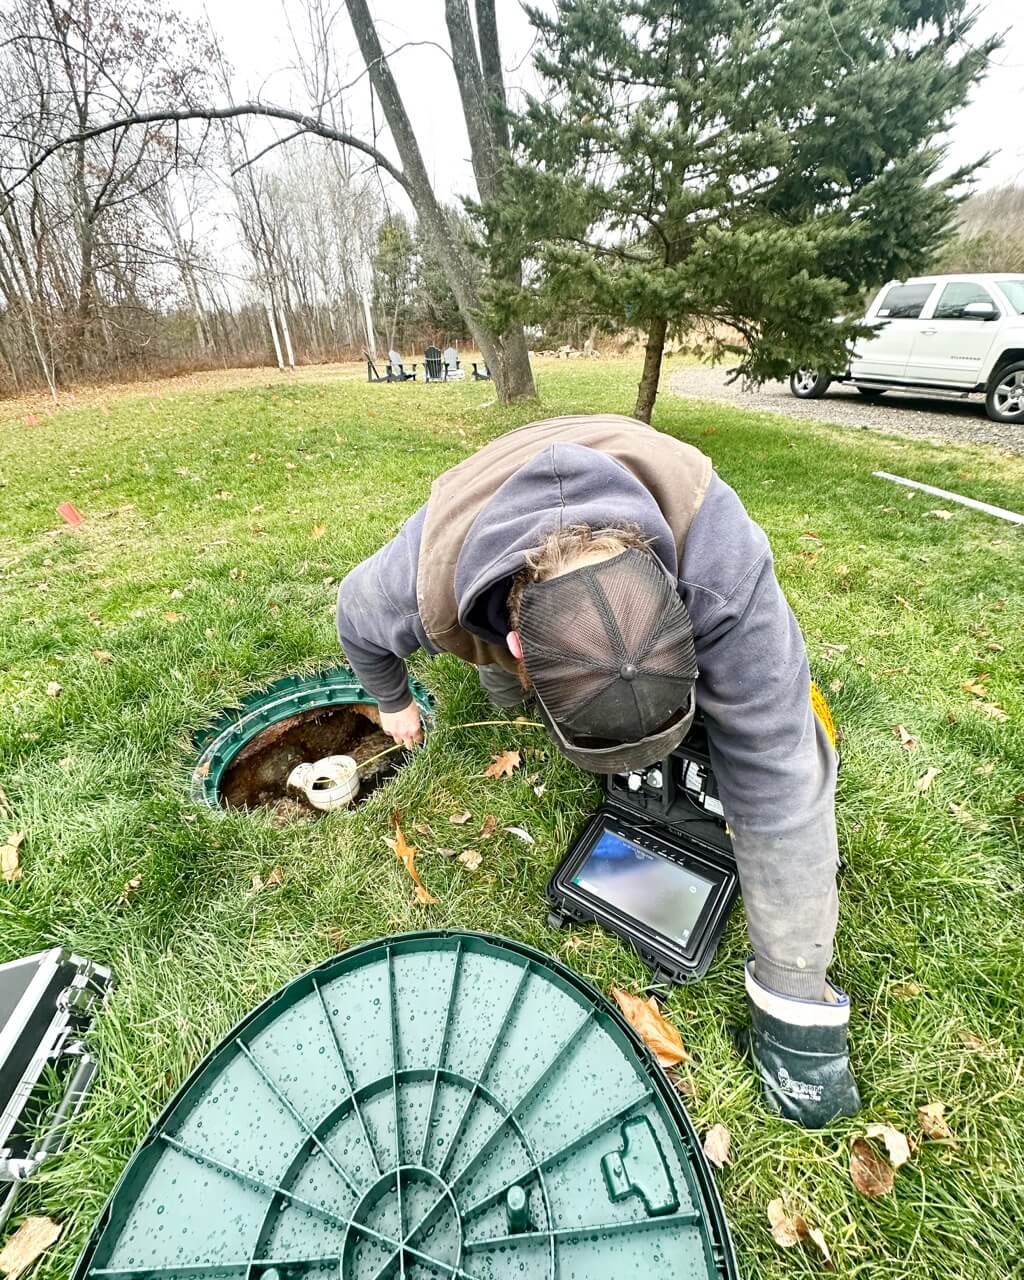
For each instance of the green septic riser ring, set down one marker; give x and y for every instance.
(291, 696)
(445, 1105)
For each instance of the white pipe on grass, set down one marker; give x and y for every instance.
(973, 503)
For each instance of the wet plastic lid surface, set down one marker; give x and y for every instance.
(430, 1105)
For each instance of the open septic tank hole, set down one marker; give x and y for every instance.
(306, 731)
(258, 773)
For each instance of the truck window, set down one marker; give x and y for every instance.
(956, 296)
(904, 301)
(1014, 290)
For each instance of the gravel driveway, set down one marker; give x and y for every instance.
(899, 413)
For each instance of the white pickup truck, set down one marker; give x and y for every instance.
(946, 334)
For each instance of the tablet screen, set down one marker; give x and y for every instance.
(664, 895)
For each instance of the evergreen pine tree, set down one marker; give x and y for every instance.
(700, 166)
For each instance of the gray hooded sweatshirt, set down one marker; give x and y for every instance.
(773, 761)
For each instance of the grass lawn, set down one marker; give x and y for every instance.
(218, 524)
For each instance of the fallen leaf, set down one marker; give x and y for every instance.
(10, 859)
(927, 778)
(931, 1118)
(276, 877)
(817, 1238)
(102, 655)
(317, 531)
(421, 828)
(971, 1040)
(842, 570)
(835, 685)
(460, 819)
(906, 741)
(656, 1031)
(994, 646)
(470, 859)
(337, 939)
(717, 1142)
(522, 834)
(985, 769)
(538, 791)
(447, 853)
(686, 1085)
(173, 617)
(906, 990)
(29, 1242)
(976, 686)
(178, 594)
(784, 1230)
(990, 709)
(130, 886)
(895, 1142)
(504, 765)
(406, 854)
(940, 515)
(54, 688)
(489, 826)
(870, 1173)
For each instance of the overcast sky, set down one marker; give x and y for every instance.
(259, 45)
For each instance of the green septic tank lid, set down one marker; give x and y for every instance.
(220, 742)
(445, 1105)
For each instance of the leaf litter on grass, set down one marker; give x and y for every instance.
(503, 765)
(29, 1242)
(10, 858)
(870, 1172)
(717, 1144)
(406, 854)
(661, 1036)
(788, 1230)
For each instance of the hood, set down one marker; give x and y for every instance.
(564, 484)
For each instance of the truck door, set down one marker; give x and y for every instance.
(885, 356)
(953, 337)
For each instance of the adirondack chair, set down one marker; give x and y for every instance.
(481, 373)
(433, 365)
(452, 371)
(371, 370)
(396, 369)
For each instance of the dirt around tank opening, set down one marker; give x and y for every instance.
(258, 775)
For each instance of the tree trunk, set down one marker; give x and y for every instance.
(506, 354)
(647, 391)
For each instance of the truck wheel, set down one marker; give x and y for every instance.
(872, 393)
(809, 384)
(1005, 399)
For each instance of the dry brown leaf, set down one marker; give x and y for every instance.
(657, 1032)
(835, 685)
(976, 685)
(940, 515)
(906, 990)
(317, 531)
(471, 859)
(717, 1142)
(276, 877)
(932, 1120)
(130, 886)
(870, 1172)
(10, 858)
(783, 1227)
(489, 827)
(971, 1040)
(994, 646)
(29, 1242)
(817, 1238)
(985, 769)
(895, 1142)
(842, 570)
(406, 854)
(421, 828)
(686, 1085)
(447, 853)
(907, 742)
(990, 709)
(460, 819)
(173, 617)
(102, 655)
(927, 778)
(53, 688)
(504, 765)
(337, 939)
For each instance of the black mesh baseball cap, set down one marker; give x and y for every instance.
(610, 655)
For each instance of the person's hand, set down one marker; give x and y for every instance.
(404, 726)
(800, 1051)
